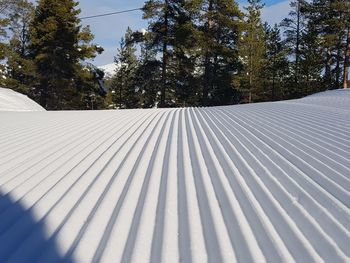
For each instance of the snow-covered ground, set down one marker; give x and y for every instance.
(14, 101)
(109, 69)
(267, 182)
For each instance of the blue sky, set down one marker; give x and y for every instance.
(108, 30)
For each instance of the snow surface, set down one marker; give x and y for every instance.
(109, 69)
(267, 182)
(14, 101)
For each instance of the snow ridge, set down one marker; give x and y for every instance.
(109, 69)
(14, 101)
(266, 182)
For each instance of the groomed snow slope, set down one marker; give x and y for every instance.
(14, 101)
(267, 182)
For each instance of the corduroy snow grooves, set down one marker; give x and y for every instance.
(266, 182)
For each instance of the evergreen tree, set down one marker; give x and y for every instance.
(311, 61)
(252, 52)
(160, 16)
(5, 6)
(294, 26)
(186, 83)
(347, 61)
(89, 96)
(2, 52)
(148, 75)
(341, 20)
(185, 55)
(322, 16)
(343, 7)
(173, 33)
(331, 19)
(220, 25)
(20, 66)
(276, 67)
(59, 44)
(124, 82)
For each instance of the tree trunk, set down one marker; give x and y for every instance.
(339, 57)
(165, 55)
(308, 89)
(273, 87)
(328, 73)
(250, 72)
(337, 68)
(206, 79)
(120, 93)
(274, 73)
(44, 93)
(207, 66)
(347, 61)
(250, 83)
(297, 47)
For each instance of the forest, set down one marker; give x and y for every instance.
(193, 53)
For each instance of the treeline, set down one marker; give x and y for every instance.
(42, 53)
(193, 53)
(209, 52)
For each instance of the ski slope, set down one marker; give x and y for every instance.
(267, 182)
(14, 101)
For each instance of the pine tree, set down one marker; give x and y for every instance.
(148, 75)
(347, 61)
(331, 20)
(59, 44)
(220, 25)
(20, 67)
(343, 7)
(184, 59)
(160, 15)
(336, 26)
(276, 67)
(5, 6)
(252, 52)
(2, 57)
(124, 83)
(294, 26)
(311, 61)
(174, 35)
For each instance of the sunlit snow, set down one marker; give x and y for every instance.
(266, 182)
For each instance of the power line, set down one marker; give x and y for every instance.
(113, 13)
